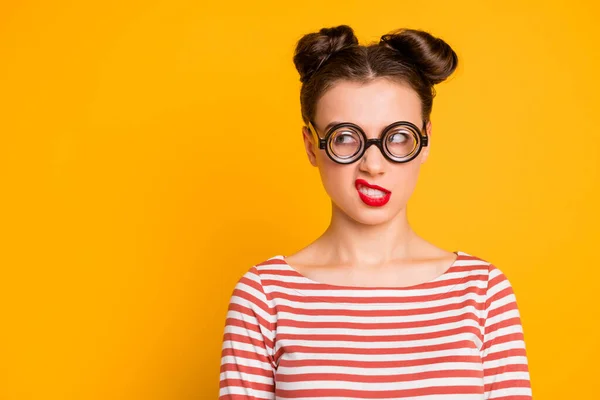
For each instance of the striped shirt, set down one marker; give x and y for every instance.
(456, 337)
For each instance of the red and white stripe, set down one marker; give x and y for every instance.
(457, 337)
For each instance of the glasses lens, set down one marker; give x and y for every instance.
(401, 142)
(345, 143)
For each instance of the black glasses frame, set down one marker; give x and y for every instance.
(423, 140)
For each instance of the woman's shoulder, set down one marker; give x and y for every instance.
(467, 258)
(265, 269)
(481, 266)
(266, 265)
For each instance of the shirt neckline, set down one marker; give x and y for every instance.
(450, 269)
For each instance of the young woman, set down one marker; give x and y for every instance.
(370, 310)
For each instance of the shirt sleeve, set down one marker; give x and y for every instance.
(247, 363)
(504, 357)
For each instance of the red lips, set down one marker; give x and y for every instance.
(372, 201)
(362, 182)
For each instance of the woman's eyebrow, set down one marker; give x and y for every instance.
(332, 123)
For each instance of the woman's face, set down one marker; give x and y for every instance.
(372, 106)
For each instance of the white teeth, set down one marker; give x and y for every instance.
(371, 192)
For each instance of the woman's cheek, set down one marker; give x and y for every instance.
(338, 182)
(405, 184)
(336, 179)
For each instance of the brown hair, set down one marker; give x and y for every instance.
(409, 56)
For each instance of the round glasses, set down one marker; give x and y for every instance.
(346, 142)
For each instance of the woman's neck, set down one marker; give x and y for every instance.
(348, 242)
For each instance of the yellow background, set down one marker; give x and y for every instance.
(151, 152)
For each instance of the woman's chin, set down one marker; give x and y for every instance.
(367, 215)
(373, 218)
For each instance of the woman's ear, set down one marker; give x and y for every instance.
(425, 150)
(309, 146)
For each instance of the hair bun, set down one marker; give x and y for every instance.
(433, 57)
(315, 48)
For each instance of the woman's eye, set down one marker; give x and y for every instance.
(345, 138)
(398, 137)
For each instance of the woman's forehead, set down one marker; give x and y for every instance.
(373, 104)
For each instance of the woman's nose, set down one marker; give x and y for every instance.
(372, 162)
